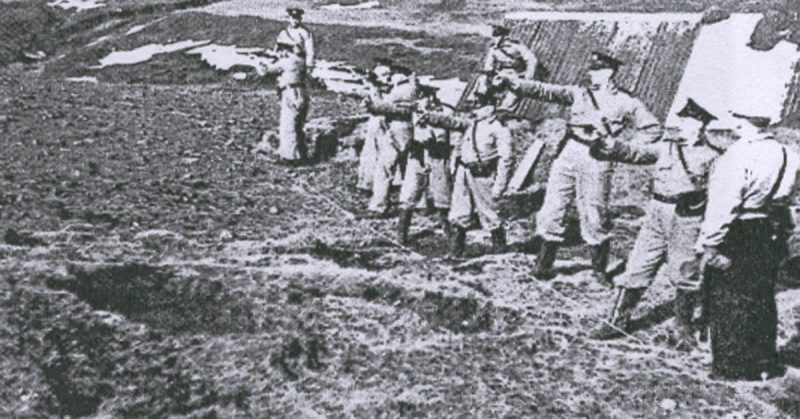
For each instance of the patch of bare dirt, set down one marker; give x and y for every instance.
(153, 266)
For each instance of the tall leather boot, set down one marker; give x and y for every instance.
(458, 241)
(627, 299)
(600, 254)
(545, 260)
(444, 222)
(403, 224)
(684, 310)
(499, 242)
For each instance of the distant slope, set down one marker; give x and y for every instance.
(27, 27)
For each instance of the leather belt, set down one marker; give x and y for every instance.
(481, 169)
(666, 199)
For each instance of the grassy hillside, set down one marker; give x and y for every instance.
(151, 265)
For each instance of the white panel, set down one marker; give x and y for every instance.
(724, 74)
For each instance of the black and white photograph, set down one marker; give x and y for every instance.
(399, 209)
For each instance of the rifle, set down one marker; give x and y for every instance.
(398, 110)
(364, 79)
(273, 57)
(442, 120)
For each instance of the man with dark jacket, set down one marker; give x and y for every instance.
(741, 245)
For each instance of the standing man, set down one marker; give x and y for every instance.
(483, 163)
(427, 168)
(287, 66)
(292, 88)
(668, 232)
(597, 110)
(397, 108)
(377, 86)
(741, 249)
(507, 57)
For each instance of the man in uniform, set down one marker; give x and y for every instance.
(681, 166)
(507, 57)
(292, 88)
(427, 168)
(741, 245)
(597, 110)
(396, 107)
(377, 86)
(483, 162)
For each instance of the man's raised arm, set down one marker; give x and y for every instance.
(446, 121)
(611, 149)
(546, 92)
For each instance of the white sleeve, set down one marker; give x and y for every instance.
(309, 47)
(530, 61)
(725, 195)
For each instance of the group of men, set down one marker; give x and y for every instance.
(715, 221)
(459, 163)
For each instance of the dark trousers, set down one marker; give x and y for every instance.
(743, 313)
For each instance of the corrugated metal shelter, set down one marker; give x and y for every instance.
(657, 48)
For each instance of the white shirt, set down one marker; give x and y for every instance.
(487, 139)
(740, 185)
(302, 39)
(290, 70)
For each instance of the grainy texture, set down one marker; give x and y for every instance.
(151, 265)
(654, 53)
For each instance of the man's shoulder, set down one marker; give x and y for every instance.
(304, 29)
(512, 45)
(497, 126)
(404, 91)
(623, 93)
(629, 97)
(741, 147)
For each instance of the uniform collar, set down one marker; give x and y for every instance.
(610, 88)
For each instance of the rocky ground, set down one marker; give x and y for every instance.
(152, 265)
